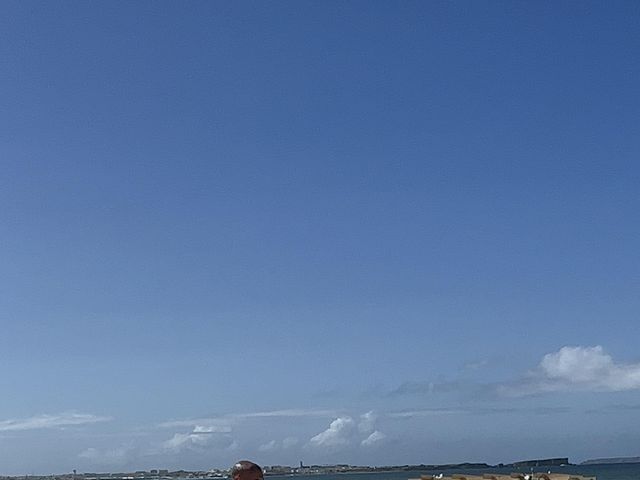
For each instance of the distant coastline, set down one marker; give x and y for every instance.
(345, 468)
(471, 468)
(611, 461)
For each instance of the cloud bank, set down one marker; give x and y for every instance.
(576, 369)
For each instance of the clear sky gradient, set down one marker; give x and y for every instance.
(366, 232)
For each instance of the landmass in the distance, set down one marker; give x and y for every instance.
(597, 461)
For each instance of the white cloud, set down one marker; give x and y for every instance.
(576, 369)
(50, 421)
(367, 423)
(340, 433)
(373, 439)
(269, 446)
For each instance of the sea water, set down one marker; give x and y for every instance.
(621, 471)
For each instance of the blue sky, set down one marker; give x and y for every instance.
(365, 232)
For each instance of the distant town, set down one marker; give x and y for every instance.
(301, 469)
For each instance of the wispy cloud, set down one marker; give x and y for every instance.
(427, 412)
(269, 446)
(477, 410)
(476, 365)
(613, 409)
(285, 413)
(576, 369)
(228, 419)
(289, 442)
(212, 422)
(109, 457)
(376, 438)
(423, 388)
(201, 437)
(274, 445)
(187, 440)
(50, 421)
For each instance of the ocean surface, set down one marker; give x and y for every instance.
(623, 471)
